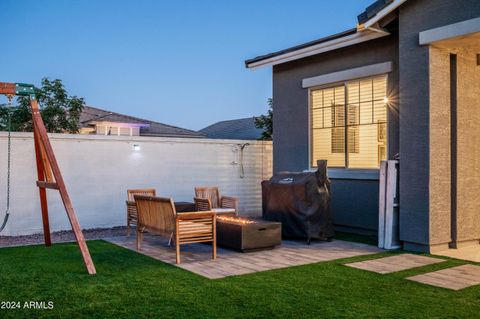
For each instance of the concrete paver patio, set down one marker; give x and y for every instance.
(197, 257)
(396, 263)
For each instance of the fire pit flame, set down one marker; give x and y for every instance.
(236, 220)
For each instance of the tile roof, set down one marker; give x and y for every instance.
(372, 10)
(239, 129)
(91, 114)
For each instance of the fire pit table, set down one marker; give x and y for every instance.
(248, 234)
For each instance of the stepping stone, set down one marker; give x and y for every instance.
(395, 263)
(455, 278)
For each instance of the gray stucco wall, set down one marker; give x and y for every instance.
(416, 16)
(355, 205)
(355, 202)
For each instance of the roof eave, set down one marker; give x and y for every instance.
(368, 30)
(337, 43)
(124, 124)
(380, 15)
(173, 135)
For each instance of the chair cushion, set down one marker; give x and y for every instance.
(223, 210)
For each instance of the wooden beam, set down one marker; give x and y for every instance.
(45, 142)
(42, 191)
(48, 185)
(8, 88)
(46, 165)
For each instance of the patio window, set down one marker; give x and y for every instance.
(349, 123)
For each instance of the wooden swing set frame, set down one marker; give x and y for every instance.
(48, 171)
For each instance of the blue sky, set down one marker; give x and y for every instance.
(177, 62)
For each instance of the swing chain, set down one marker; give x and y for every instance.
(9, 147)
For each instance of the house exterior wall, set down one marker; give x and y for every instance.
(415, 205)
(467, 222)
(440, 147)
(354, 202)
(468, 147)
(98, 170)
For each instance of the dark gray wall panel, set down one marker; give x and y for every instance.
(355, 203)
(290, 121)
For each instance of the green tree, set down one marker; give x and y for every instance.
(60, 112)
(265, 122)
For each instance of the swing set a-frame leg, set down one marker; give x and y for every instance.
(50, 177)
(42, 190)
(48, 172)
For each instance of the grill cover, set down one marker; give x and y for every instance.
(301, 202)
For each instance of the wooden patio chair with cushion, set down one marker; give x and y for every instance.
(132, 208)
(157, 215)
(209, 199)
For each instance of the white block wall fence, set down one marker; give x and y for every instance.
(98, 170)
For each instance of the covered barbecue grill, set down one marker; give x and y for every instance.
(301, 202)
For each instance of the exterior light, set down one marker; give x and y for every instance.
(385, 100)
(136, 147)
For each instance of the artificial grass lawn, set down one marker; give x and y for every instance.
(130, 285)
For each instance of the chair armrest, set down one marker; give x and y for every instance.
(229, 202)
(131, 206)
(195, 215)
(202, 204)
(195, 227)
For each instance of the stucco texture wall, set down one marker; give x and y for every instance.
(468, 145)
(440, 155)
(98, 170)
(466, 223)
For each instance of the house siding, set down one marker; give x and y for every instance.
(354, 202)
(414, 17)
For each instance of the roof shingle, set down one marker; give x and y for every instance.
(90, 114)
(240, 129)
(372, 10)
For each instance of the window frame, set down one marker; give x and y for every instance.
(310, 124)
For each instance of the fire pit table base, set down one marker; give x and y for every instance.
(248, 235)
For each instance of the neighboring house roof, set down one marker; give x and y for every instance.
(240, 129)
(90, 115)
(367, 29)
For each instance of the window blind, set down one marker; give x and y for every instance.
(349, 123)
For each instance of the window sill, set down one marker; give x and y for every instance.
(352, 174)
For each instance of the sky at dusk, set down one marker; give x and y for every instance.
(176, 62)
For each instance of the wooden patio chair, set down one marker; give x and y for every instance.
(132, 208)
(209, 199)
(157, 215)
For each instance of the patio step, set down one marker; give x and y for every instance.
(455, 278)
(395, 263)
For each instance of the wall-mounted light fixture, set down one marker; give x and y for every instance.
(136, 147)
